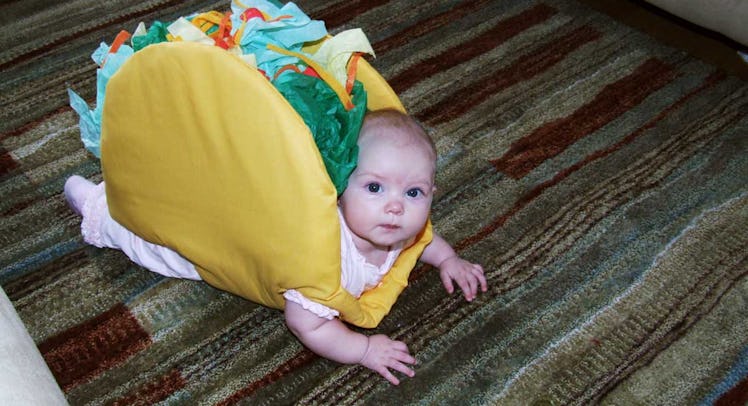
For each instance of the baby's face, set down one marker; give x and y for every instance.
(388, 198)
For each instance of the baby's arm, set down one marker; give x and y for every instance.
(333, 340)
(453, 268)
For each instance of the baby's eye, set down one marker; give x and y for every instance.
(415, 192)
(374, 187)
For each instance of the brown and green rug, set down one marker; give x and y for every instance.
(600, 178)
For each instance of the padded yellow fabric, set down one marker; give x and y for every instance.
(380, 94)
(201, 154)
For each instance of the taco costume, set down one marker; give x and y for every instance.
(201, 153)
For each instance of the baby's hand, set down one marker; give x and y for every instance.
(467, 275)
(384, 353)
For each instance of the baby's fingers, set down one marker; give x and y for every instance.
(447, 282)
(387, 375)
(404, 356)
(468, 284)
(388, 354)
(400, 347)
(398, 361)
(399, 366)
(398, 355)
(478, 272)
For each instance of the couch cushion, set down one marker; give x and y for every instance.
(25, 378)
(727, 17)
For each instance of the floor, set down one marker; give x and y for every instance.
(704, 44)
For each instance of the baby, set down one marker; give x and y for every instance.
(385, 206)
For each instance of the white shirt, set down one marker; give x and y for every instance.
(356, 275)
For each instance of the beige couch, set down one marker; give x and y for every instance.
(24, 377)
(727, 17)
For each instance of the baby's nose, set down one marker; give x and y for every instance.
(394, 206)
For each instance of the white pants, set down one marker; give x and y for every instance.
(101, 230)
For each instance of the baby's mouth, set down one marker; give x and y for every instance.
(390, 226)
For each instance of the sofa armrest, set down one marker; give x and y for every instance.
(25, 378)
(727, 17)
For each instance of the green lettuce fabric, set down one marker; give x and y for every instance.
(334, 128)
(156, 33)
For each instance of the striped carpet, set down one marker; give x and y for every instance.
(599, 177)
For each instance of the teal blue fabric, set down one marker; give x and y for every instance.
(90, 120)
(290, 32)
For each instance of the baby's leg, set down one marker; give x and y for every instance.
(99, 229)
